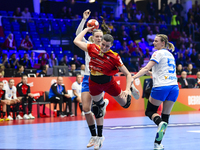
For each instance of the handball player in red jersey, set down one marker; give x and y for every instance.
(103, 65)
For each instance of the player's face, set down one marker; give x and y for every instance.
(158, 44)
(25, 80)
(105, 46)
(60, 80)
(11, 83)
(97, 37)
(184, 74)
(1, 86)
(79, 79)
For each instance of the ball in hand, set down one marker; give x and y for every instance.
(93, 23)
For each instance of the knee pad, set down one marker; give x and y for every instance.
(151, 109)
(97, 108)
(165, 117)
(128, 103)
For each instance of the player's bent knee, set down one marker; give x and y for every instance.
(151, 109)
(87, 112)
(128, 103)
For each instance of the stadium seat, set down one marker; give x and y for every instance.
(2, 40)
(12, 51)
(3, 13)
(10, 13)
(43, 15)
(35, 15)
(50, 16)
(6, 33)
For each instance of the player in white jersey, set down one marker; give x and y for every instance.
(11, 92)
(76, 91)
(97, 139)
(165, 87)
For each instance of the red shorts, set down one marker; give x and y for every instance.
(112, 88)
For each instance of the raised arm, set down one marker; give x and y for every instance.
(78, 40)
(86, 14)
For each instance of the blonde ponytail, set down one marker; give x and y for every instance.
(170, 46)
(91, 39)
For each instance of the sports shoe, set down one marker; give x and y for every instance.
(104, 107)
(10, 118)
(135, 93)
(91, 141)
(158, 146)
(26, 116)
(99, 142)
(19, 117)
(161, 129)
(1, 119)
(82, 113)
(62, 115)
(31, 116)
(6, 119)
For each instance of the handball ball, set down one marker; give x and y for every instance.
(93, 22)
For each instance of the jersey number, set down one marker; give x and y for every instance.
(171, 63)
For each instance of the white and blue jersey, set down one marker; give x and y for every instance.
(165, 86)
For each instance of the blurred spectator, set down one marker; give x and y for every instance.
(175, 20)
(147, 54)
(2, 68)
(190, 14)
(179, 69)
(43, 61)
(122, 28)
(26, 15)
(114, 33)
(181, 60)
(151, 8)
(134, 34)
(63, 13)
(193, 56)
(131, 46)
(43, 73)
(190, 48)
(150, 38)
(175, 35)
(64, 61)
(111, 18)
(110, 26)
(20, 71)
(76, 62)
(82, 69)
(124, 51)
(166, 12)
(177, 7)
(198, 61)
(124, 37)
(139, 16)
(146, 31)
(156, 30)
(9, 43)
(69, 13)
(149, 19)
(26, 43)
(25, 61)
(14, 62)
(163, 28)
(4, 61)
(122, 18)
(17, 13)
(183, 81)
(137, 53)
(72, 72)
(190, 70)
(53, 61)
(198, 80)
(143, 44)
(197, 34)
(33, 59)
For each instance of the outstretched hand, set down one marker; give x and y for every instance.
(86, 14)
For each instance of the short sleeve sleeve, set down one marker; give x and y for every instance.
(156, 57)
(74, 86)
(119, 62)
(89, 47)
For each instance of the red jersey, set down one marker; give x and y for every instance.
(2, 94)
(26, 43)
(103, 63)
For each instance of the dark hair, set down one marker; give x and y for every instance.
(19, 67)
(24, 75)
(10, 80)
(108, 38)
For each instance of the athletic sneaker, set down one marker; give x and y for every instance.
(161, 129)
(19, 117)
(31, 116)
(104, 107)
(135, 93)
(158, 146)
(10, 118)
(99, 142)
(6, 119)
(1, 119)
(62, 115)
(26, 116)
(91, 141)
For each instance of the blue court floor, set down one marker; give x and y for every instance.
(137, 133)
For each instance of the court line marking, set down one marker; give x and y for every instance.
(150, 126)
